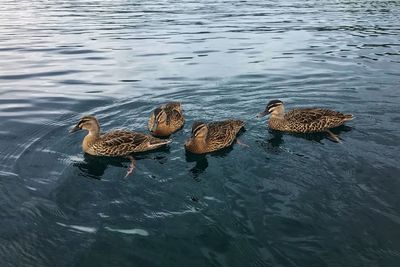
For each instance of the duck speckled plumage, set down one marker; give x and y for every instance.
(304, 120)
(209, 137)
(166, 119)
(116, 143)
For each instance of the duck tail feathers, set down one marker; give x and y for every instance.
(348, 117)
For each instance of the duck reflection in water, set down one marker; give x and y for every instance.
(276, 140)
(273, 143)
(318, 137)
(94, 166)
(202, 161)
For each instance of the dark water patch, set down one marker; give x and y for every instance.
(177, 78)
(96, 58)
(153, 54)
(94, 92)
(36, 75)
(5, 49)
(182, 58)
(205, 51)
(78, 51)
(129, 81)
(84, 83)
(47, 49)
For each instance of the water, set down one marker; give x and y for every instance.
(289, 201)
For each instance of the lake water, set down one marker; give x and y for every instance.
(288, 201)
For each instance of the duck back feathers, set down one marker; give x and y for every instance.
(166, 119)
(122, 143)
(306, 120)
(218, 135)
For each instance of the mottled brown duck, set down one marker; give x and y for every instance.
(209, 137)
(304, 120)
(117, 143)
(166, 119)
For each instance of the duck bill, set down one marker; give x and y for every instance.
(75, 129)
(262, 114)
(154, 128)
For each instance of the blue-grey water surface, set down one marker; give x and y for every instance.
(282, 201)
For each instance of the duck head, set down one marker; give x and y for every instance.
(274, 107)
(89, 123)
(160, 117)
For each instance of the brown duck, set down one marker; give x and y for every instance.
(117, 143)
(304, 120)
(209, 137)
(166, 119)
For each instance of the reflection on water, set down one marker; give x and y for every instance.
(201, 164)
(285, 200)
(277, 136)
(94, 167)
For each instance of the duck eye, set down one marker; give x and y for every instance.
(159, 115)
(198, 130)
(82, 122)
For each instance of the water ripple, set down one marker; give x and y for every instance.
(36, 75)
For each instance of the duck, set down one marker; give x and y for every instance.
(213, 136)
(166, 119)
(116, 143)
(304, 120)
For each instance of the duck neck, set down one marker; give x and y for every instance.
(277, 119)
(278, 113)
(196, 144)
(90, 138)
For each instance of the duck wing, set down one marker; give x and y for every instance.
(316, 119)
(173, 106)
(176, 117)
(122, 143)
(223, 133)
(174, 114)
(151, 121)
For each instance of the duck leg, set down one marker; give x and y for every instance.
(333, 137)
(131, 167)
(241, 144)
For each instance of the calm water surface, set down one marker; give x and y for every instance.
(282, 201)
